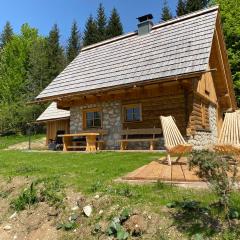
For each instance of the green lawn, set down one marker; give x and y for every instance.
(95, 172)
(92, 173)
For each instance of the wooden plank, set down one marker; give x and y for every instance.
(80, 134)
(132, 175)
(141, 131)
(166, 173)
(189, 175)
(77, 147)
(140, 140)
(177, 173)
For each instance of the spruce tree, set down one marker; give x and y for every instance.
(6, 35)
(114, 26)
(56, 58)
(90, 32)
(181, 8)
(195, 5)
(101, 23)
(73, 47)
(166, 13)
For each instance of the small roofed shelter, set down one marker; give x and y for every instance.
(55, 120)
(124, 84)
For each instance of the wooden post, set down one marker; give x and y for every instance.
(151, 145)
(169, 159)
(186, 102)
(91, 143)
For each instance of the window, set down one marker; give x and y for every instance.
(203, 113)
(132, 113)
(92, 119)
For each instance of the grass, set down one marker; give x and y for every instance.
(78, 169)
(7, 141)
(93, 173)
(90, 173)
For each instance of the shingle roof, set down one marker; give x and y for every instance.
(176, 47)
(53, 113)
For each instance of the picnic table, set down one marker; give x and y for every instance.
(91, 139)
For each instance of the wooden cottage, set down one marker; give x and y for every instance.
(121, 86)
(56, 120)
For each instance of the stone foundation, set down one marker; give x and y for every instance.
(111, 121)
(203, 139)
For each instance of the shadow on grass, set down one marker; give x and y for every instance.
(195, 220)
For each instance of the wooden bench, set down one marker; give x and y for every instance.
(76, 147)
(151, 132)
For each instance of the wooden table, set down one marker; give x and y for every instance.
(91, 138)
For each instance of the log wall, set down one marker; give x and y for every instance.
(153, 108)
(199, 117)
(176, 98)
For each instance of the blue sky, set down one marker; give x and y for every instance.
(42, 14)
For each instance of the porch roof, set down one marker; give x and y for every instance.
(53, 113)
(172, 48)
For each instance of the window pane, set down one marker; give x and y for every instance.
(97, 122)
(89, 123)
(89, 115)
(129, 114)
(136, 115)
(132, 114)
(97, 115)
(93, 119)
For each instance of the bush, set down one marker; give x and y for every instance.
(220, 171)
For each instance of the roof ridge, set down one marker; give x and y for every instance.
(156, 26)
(114, 39)
(186, 16)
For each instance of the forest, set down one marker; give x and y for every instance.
(30, 61)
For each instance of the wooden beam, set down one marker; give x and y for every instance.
(224, 60)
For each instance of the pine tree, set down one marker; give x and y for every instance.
(101, 23)
(90, 32)
(181, 8)
(74, 44)
(6, 35)
(166, 13)
(195, 5)
(56, 58)
(114, 26)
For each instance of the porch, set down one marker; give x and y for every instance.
(130, 117)
(93, 140)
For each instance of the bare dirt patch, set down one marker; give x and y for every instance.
(39, 144)
(53, 218)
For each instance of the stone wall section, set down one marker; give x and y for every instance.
(204, 139)
(111, 121)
